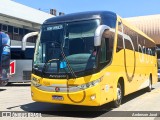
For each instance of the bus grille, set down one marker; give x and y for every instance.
(26, 75)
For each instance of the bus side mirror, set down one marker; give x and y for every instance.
(98, 34)
(102, 31)
(24, 40)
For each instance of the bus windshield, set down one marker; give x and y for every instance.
(75, 39)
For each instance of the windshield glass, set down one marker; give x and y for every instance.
(75, 39)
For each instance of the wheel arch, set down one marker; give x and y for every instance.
(120, 80)
(151, 78)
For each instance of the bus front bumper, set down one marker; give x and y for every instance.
(87, 97)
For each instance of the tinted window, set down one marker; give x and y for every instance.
(109, 21)
(17, 53)
(147, 46)
(53, 33)
(5, 28)
(129, 34)
(106, 46)
(120, 38)
(158, 54)
(119, 43)
(128, 44)
(141, 44)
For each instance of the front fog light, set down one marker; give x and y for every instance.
(35, 82)
(93, 97)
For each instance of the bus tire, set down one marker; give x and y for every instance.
(149, 88)
(5, 83)
(116, 103)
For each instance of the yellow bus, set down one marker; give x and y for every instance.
(91, 58)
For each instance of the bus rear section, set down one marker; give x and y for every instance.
(21, 64)
(4, 58)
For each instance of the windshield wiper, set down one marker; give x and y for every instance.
(68, 64)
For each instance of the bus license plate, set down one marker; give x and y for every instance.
(55, 97)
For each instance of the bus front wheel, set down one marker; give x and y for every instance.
(149, 88)
(116, 103)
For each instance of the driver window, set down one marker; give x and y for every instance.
(106, 46)
(103, 50)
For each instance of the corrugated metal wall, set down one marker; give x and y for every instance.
(149, 25)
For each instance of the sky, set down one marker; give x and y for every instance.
(124, 8)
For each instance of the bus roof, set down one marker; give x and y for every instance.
(92, 15)
(81, 16)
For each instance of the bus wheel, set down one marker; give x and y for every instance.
(5, 83)
(149, 88)
(118, 101)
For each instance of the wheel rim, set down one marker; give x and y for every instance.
(119, 95)
(150, 86)
(4, 83)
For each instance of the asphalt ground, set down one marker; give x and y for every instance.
(16, 100)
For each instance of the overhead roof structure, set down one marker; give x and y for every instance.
(13, 13)
(148, 24)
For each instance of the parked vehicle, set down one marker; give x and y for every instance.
(4, 58)
(90, 59)
(158, 61)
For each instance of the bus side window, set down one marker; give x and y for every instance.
(128, 44)
(119, 43)
(120, 38)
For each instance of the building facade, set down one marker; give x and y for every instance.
(17, 20)
(148, 24)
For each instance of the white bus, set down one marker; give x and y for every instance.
(21, 64)
(21, 59)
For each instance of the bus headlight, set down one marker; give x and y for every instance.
(90, 84)
(35, 82)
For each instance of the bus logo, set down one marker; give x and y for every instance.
(57, 89)
(12, 67)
